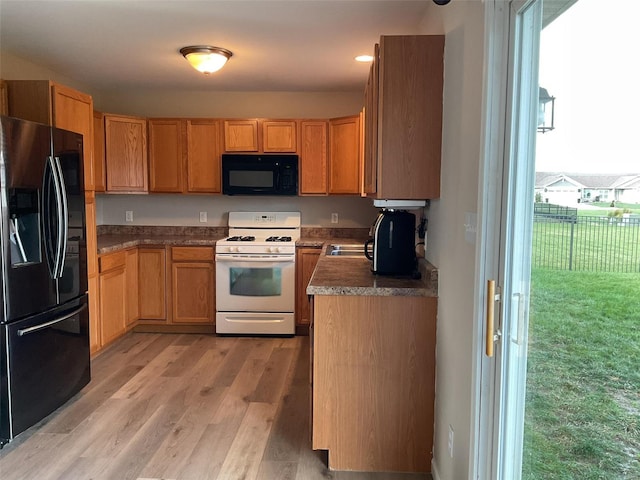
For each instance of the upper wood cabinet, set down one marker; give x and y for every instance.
(167, 151)
(4, 101)
(241, 135)
(204, 148)
(344, 155)
(184, 155)
(403, 115)
(99, 171)
(126, 153)
(313, 163)
(279, 136)
(53, 104)
(261, 135)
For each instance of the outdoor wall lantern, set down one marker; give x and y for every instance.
(546, 104)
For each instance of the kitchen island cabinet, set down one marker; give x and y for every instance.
(373, 367)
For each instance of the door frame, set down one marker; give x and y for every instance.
(492, 208)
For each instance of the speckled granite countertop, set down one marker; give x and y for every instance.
(353, 276)
(112, 238)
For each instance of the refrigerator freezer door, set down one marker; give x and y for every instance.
(47, 363)
(28, 286)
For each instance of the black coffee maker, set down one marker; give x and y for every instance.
(393, 244)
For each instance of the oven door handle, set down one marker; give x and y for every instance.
(256, 258)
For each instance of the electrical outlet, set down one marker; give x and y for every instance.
(203, 217)
(128, 216)
(334, 218)
(450, 441)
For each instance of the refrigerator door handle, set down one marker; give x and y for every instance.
(64, 220)
(49, 186)
(56, 187)
(26, 331)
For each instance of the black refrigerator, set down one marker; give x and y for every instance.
(44, 323)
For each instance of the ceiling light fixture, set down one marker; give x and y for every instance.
(206, 59)
(364, 58)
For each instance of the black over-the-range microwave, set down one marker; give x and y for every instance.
(259, 174)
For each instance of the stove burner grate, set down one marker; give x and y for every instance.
(278, 239)
(244, 238)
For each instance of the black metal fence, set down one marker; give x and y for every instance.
(564, 241)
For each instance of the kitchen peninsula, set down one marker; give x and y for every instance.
(373, 361)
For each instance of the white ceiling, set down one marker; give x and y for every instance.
(277, 45)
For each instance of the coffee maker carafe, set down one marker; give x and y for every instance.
(393, 243)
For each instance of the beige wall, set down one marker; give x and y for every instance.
(463, 24)
(184, 209)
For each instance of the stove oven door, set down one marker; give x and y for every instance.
(255, 283)
(255, 294)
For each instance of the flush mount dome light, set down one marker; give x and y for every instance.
(206, 59)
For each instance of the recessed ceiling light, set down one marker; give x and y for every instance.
(364, 58)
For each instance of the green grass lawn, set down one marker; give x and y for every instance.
(634, 207)
(582, 418)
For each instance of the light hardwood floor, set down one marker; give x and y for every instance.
(184, 407)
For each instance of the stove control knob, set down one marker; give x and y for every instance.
(232, 249)
(238, 249)
(274, 249)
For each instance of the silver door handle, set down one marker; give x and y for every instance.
(64, 216)
(255, 258)
(35, 328)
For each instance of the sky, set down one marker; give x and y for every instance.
(589, 60)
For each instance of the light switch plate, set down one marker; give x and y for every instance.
(203, 217)
(128, 216)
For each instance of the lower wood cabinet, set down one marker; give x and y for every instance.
(306, 260)
(95, 335)
(192, 285)
(373, 381)
(152, 289)
(113, 296)
(133, 310)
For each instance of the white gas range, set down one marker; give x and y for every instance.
(255, 274)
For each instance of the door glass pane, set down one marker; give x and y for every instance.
(255, 282)
(24, 226)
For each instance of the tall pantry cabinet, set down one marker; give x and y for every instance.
(63, 107)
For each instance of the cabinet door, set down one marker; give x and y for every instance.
(152, 283)
(99, 171)
(410, 116)
(204, 147)
(73, 110)
(279, 136)
(344, 156)
(241, 135)
(113, 310)
(126, 153)
(166, 155)
(313, 157)
(4, 99)
(92, 240)
(133, 312)
(306, 260)
(193, 292)
(370, 173)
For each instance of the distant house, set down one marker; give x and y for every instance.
(572, 188)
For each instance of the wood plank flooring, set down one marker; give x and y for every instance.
(183, 407)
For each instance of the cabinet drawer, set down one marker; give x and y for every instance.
(113, 260)
(190, 254)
